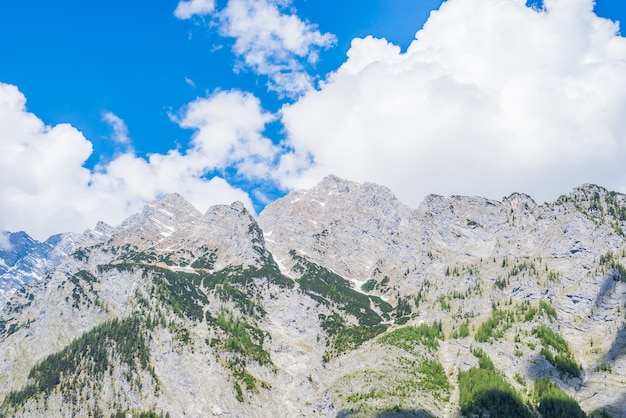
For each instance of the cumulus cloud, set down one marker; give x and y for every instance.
(189, 8)
(228, 128)
(491, 97)
(46, 189)
(269, 39)
(120, 130)
(274, 42)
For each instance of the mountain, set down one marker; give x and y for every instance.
(24, 259)
(337, 301)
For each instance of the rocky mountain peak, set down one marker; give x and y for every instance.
(173, 206)
(170, 233)
(161, 217)
(236, 209)
(26, 260)
(19, 245)
(589, 189)
(518, 201)
(104, 228)
(332, 183)
(345, 225)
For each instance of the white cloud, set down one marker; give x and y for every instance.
(46, 189)
(187, 9)
(492, 97)
(228, 129)
(273, 42)
(270, 39)
(5, 244)
(41, 167)
(120, 130)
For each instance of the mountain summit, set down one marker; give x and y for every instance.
(337, 301)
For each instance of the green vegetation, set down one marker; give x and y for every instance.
(433, 379)
(336, 293)
(94, 353)
(80, 254)
(369, 285)
(235, 335)
(382, 391)
(553, 275)
(463, 330)
(495, 326)
(548, 309)
(483, 391)
(135, 257)
(332, 289)
(445, 305)
(205, 262)
(501, 283)
(246, 276)
(240, 337)
(412, 376)
(344, 337)
(527, 313)
(186, 292)
(181, 291)
(409, 337)
(522, 267)
(609, 260)
(243, 342)
(556, 351)
(554, 403)
(78, 293)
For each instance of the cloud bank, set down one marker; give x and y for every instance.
(492, 97)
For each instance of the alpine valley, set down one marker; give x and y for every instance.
(338, 301)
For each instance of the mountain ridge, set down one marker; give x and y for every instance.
(336, 301)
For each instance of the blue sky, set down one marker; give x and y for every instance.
(124, 101)
(75, 60)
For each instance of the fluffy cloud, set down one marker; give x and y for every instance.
(228, 128)
(492, 97)
(274, 43)
(269, 40)
(46, 189)
(187, 9)
(41, 167)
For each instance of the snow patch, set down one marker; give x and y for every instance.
(165, 212)
(185, 269)
(166, 230)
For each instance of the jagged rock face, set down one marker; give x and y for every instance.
(23, 260)
(339, 301)
(351, 228)
(26, 260)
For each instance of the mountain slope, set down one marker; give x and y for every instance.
(337, 301)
